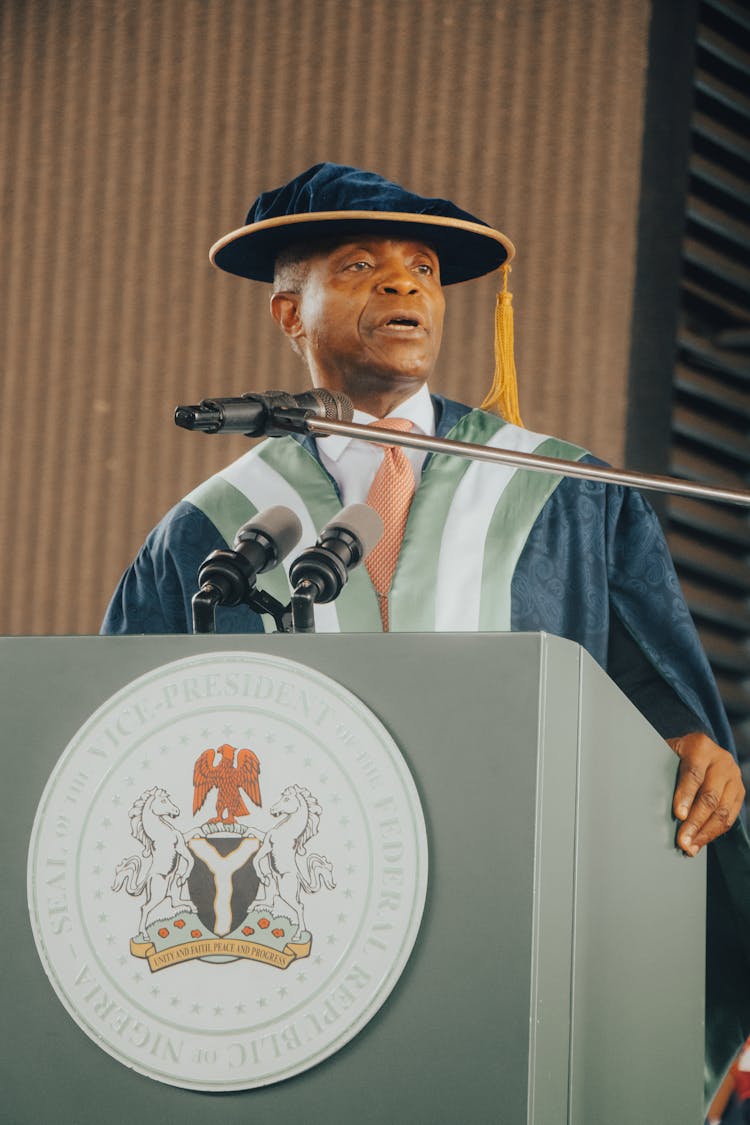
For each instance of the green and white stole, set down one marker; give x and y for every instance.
(467, 527)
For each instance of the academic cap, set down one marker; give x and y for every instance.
(332, 201)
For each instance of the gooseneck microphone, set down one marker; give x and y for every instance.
(228, 577)
(320, 573)
(272, 413)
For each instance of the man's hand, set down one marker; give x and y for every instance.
(709, 792)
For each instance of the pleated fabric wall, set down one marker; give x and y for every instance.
(133, 135)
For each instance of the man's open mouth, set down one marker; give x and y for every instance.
(401, 322)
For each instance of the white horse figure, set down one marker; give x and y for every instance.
(282, 864)
(163, 867)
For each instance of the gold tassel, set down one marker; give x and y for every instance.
(502, 396)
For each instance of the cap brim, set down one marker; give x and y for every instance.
(466, 250)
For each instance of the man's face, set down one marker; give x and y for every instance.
(369, 319)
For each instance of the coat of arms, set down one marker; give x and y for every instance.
(223, 889)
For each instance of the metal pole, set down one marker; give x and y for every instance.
(531, 461)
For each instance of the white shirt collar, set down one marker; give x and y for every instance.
(417, 408)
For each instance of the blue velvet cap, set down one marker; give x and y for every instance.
(332, 201)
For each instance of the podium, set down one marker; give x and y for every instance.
(571, 992)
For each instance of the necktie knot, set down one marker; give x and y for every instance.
(392, 424)
(390, 494)
(403, 425)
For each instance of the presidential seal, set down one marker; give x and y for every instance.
(227, 871)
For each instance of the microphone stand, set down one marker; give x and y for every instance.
(205, 601)
(303, 607)
(532, 461)
(295, 617)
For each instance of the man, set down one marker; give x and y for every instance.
(358, 267)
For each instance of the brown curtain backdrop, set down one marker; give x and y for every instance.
(134, 134)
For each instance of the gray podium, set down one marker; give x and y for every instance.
(547, 801)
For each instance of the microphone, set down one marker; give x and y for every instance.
(259, 545)
(273, 413)
(341, 545)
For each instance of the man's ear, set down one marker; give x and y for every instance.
(285, 311)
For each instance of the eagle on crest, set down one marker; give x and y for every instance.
(228, 778)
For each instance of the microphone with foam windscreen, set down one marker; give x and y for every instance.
(272, 413)
(228, 577)
(320, 573)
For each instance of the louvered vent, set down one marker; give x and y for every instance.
(711, 420)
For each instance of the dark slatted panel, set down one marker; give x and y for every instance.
(711, 421)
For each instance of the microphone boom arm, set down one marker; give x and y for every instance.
(532, 461)
(276, 413)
